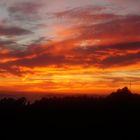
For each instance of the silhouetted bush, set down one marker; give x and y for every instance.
(120, 107)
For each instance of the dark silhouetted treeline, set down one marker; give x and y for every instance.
(119, 108)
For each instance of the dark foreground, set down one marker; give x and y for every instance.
(120, 109)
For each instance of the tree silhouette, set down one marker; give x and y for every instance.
(119, 107)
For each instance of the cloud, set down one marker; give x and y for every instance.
(13, 31)
(91, 45)
(25, 11)
(44, 56)
(25, 7)
(121, 60)
(118, 44)
(97, 22)
(121, 26)
(80, 12)
(125, 46)
(4, 43)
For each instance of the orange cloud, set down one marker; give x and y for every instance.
(100, 51)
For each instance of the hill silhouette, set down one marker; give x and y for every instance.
(122, 93)
(119, 108)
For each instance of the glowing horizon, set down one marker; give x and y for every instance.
(68, 46)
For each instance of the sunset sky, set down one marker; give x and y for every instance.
(69, 46)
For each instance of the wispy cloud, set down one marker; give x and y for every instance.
(87, 44)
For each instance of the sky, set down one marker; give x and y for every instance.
(69, 46)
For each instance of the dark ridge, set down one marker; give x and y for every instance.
(121, 93)
(119, 109)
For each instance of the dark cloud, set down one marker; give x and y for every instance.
(45, 59)
(121, 26)
(25, 11)
(99, 56)
(117, 47)
(120, 60)
(125, 46)
(97, 22)
(107, 55)
(4, 43)
(25, 7)
(13, 31)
